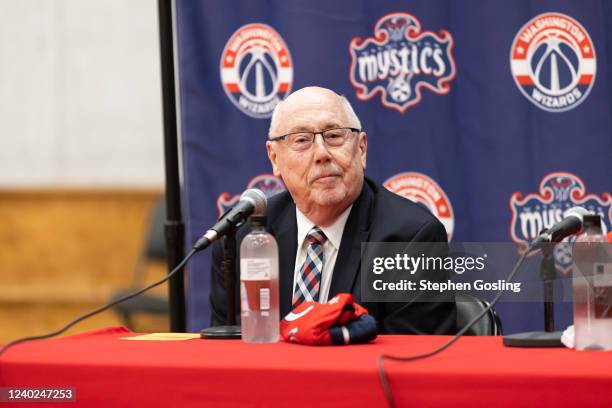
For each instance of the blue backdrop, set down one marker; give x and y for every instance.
(494, 114)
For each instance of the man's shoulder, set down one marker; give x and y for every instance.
(278, 203)
(398, 213)
(406, 208)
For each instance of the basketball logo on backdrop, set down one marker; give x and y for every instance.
(268, 183)
(557, 193)
(400, 60)
(553, 62)
(425, 191)
(256, 69)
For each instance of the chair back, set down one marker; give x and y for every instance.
(470, 306)
(156, 240)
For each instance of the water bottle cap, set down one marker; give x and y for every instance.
(591, 220)
(258, 221)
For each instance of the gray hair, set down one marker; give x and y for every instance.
(350, 112)
(352, 116)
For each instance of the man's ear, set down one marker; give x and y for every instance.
(363, 148)
(273, 158)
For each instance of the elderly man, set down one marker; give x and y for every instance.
(317, 146)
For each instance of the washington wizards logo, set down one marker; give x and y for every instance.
(268, 183)
(424, 191)
(400, 60)
(553, 62)
(557, 193)
(256, 69)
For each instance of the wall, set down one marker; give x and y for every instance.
(65, 252)
(79, 93)
(81, 156)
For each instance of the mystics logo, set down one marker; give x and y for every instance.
(425, 191)
(557, 193)
(553, 62)
(268, 183)
(256, 69)
(400, 60)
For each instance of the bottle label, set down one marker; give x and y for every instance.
(255, 295)
(602, 275)
(602, 285)
(244, 300)
(264, 298)
(255, 269)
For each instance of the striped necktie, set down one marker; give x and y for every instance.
(309, 280)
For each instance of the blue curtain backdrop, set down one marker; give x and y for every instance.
(495, 114)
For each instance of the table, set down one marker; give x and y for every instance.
(476, 371)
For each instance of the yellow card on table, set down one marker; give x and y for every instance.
(164, 336)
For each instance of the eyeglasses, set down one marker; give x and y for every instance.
(301, 141)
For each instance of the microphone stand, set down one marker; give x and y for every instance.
(231, 330)
(549, 337)
(547, 274)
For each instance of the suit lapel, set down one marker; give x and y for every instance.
(285, 231)
(356, 231)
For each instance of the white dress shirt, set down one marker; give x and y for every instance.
(333, 233)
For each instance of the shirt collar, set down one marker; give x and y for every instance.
(333, 232)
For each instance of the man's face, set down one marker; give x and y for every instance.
(322, 176)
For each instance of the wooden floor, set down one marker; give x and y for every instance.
(65, 252)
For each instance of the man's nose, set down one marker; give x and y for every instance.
(320, 149)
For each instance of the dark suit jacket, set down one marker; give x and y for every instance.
(377, 216)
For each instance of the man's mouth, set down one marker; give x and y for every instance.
(324, 178)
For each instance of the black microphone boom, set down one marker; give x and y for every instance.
(251, 201)
(571, 224)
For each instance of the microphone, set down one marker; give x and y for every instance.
(570, 224)
(251, 201)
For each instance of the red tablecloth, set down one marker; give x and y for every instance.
(476, 371)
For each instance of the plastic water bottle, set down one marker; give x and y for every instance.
(259, 284)
(592, 288)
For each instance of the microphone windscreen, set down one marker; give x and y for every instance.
(258, 198)
(578, 212)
